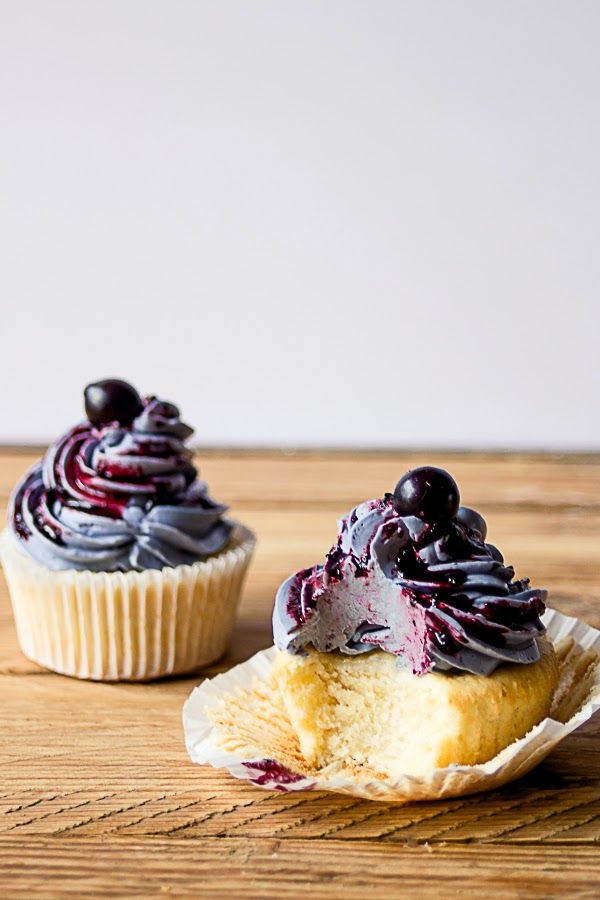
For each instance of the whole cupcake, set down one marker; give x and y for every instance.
(119, 564)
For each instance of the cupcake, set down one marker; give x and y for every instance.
(413, 647)
(120, 566)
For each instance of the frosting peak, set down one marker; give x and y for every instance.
(429, 590)
(117, 493)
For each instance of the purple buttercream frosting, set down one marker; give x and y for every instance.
(432, 593)
(116, 496)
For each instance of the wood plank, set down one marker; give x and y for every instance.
(343, 479)
(108, 759)
(95, 777)
(268, 867)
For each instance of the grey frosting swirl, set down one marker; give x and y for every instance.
(436, 596)
(119, 498)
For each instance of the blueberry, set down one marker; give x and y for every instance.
(189, 472)
(166, 410)
(427, 492)
(473, 520)
(112, 400)
(494, 553)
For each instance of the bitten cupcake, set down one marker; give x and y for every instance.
(413, 647)
(120, 565)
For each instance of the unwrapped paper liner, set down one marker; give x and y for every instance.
(205, 741)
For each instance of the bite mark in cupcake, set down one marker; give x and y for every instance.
(412, 647)
(411, 574)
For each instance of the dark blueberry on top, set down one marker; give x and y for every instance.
(495, 553)
(473, 520)
(166, 410)
(427, 492)
(112, 400)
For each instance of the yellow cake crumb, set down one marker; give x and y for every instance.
(365, 711)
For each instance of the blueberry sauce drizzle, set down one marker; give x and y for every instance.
(274, 775)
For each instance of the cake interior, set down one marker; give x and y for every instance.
(367, 712)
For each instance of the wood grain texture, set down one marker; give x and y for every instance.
(98, 797)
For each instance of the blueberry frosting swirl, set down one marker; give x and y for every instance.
(118, 492)
(427, 589)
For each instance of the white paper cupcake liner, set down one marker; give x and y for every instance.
(126, 626)
(207, 744)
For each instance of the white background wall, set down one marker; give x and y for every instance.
(307, 221)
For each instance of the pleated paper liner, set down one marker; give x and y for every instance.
(237, 721)
(127, 626)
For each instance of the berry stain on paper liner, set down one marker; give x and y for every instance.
(271, 774)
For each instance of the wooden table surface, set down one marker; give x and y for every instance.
(98, 796)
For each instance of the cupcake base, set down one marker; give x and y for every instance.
(127, 626)
(237, 721)
(369, 714)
